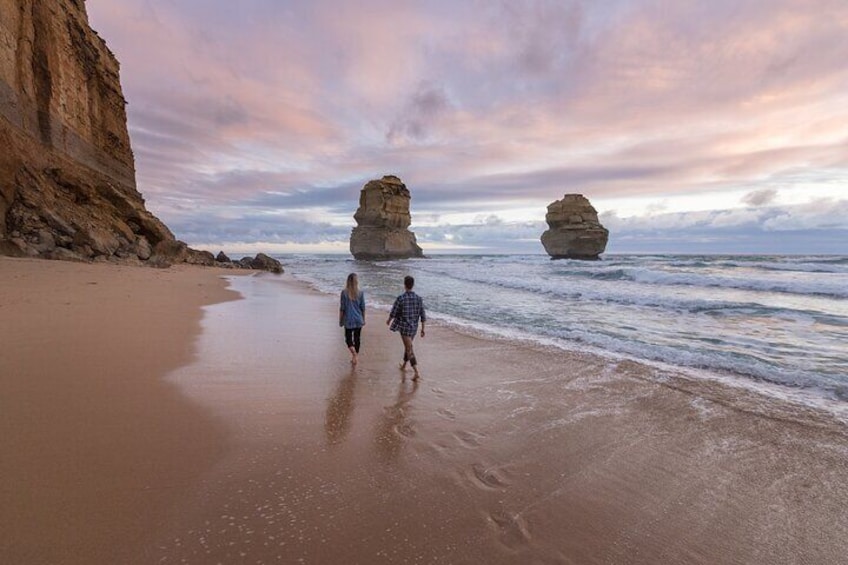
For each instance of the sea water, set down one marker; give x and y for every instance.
(775, 319)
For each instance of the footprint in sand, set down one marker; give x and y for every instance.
(511, 529)
(488, 477)
(446, 414)
(469, 439)
(405, 429)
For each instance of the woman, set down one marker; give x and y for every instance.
(352, 315)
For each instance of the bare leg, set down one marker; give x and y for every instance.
(402, 366)
(350, 336)
(409, 356)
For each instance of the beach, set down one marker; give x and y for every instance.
(156, 416)
(93, 442)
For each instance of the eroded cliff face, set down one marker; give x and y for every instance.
(67, 175)
(574, 229)
(382, 221)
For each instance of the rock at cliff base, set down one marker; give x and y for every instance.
(142, 248)
(574, 229)
(196, 257)
(265, 263)
(383, 220)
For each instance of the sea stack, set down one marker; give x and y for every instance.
(382, 222)
(67, 172)
(574, 229)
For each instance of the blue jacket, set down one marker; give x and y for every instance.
(353, 311)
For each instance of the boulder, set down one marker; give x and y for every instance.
(263, 262)
(12, 247)
(159, 262)
(142, 248)
(204, 258)
(574, 229)
(383, 220)
(222, 257)
(46, 241)
(62, 254)
(167, 253)
(174, 250)
(100, 241)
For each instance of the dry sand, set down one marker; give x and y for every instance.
(93, 441)
(278, 451)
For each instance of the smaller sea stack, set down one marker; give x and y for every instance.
(382, 220)
(574, 229)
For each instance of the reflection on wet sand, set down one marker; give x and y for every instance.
(541, 456)
(339, 410)
(393, 426)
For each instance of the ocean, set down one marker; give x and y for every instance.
(776, 320)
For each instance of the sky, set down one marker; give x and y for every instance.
(691, 126)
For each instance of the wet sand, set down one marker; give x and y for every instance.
(502, 453)
(93, 442)
(258, 443)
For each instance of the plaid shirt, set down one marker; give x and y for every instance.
(407, 310)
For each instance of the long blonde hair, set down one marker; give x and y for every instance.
(352, 286)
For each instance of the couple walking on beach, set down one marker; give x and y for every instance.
(407, 310)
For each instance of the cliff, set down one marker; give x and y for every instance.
(67, 174)
(574, 229)
(382, 221)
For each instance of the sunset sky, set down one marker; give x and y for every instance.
(699, 127)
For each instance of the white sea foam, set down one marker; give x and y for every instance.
(779, 320)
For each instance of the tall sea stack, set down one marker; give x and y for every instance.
(67, 173)
(382, 220)
(574, 229)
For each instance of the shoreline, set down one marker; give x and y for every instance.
(94, 439)
(697, 379)
(501, 454)
(248, 437)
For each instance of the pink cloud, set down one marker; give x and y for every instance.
(506, 100)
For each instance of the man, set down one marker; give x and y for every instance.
(403, 318)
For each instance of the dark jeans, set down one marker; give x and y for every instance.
(352, 338)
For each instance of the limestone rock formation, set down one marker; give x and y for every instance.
(67, 172)
(574, 229)
(67, 177)
(382, 221)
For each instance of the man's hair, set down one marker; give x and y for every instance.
(408, 282)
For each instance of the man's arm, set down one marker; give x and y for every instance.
(393, 314)
(423, 318)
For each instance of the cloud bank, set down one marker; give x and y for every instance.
(720, 122)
